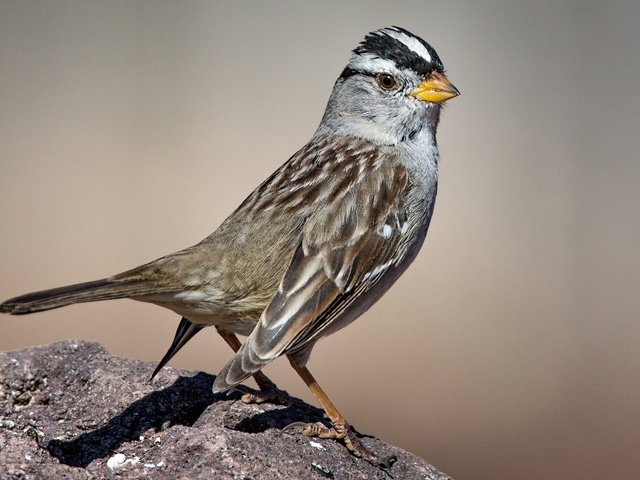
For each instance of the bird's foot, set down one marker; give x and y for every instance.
(275, 396)
(268, 392)
(344, 433)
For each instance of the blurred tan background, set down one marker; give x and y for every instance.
(509, 350)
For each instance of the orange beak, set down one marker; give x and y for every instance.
(437, 88)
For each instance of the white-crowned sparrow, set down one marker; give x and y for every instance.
(319, 241)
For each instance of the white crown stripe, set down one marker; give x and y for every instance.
(411, 43)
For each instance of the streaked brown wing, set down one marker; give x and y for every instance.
(346, 246)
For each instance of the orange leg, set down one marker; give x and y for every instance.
(340, 429)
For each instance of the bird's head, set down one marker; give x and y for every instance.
(391, 90)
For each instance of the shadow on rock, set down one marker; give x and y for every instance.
(296, 412)
(181, 403)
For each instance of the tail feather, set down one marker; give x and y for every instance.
(185, 332)
(105, 289)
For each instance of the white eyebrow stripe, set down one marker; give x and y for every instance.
(371, 63)
(411, 43)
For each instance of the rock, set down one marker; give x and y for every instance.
(71, 410)
(116, 461)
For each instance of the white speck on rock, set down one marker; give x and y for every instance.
(116, 461)
(316, 445)
(149, 465)
(8, 424)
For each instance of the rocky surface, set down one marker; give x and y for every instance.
(71, 410)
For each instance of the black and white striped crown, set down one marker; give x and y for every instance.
(396, 45)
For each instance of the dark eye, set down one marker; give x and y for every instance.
(386, 81)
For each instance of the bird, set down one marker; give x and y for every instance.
(318, 242)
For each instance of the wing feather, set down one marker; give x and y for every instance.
(346, 247)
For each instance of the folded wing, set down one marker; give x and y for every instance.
(347, 245)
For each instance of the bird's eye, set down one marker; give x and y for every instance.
(386, 81)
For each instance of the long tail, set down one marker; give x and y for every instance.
(105, 289)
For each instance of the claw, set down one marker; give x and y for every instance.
(387, 461)
(266, 395)
(343, 432)
(293, 426)
(238, 388)
(270, 394)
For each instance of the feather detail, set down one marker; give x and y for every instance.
(342, 254)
